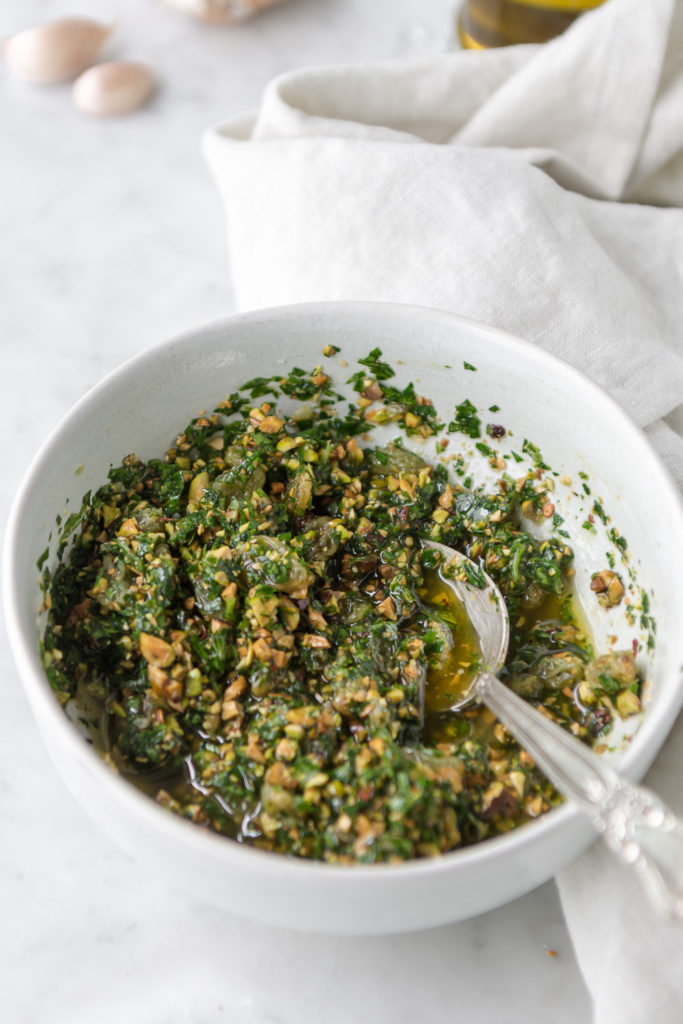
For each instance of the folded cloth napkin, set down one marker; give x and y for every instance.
(537, 188)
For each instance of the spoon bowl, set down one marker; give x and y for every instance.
(485, 608)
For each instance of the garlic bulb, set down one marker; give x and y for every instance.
(116, 87)
(220, 10)
(55, 51)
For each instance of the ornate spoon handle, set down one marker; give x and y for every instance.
(634, 823)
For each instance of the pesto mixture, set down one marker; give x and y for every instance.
(272, 649)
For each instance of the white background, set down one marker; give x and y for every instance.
(111, 239)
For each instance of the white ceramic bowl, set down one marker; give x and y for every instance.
(142, 406)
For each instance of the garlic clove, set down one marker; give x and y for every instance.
(55, 51)
(116, 87)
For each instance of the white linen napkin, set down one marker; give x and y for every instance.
(536, 188)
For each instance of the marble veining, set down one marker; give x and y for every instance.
(112, 239)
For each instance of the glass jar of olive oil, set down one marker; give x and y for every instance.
(485, 23)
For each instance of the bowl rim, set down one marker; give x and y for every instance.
(633, 762)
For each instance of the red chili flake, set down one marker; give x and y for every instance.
(495, 430)
(635, 648)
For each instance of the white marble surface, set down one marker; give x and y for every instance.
(111, 239)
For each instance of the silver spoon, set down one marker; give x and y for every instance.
(634, 823)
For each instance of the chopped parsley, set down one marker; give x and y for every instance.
(466, 420)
